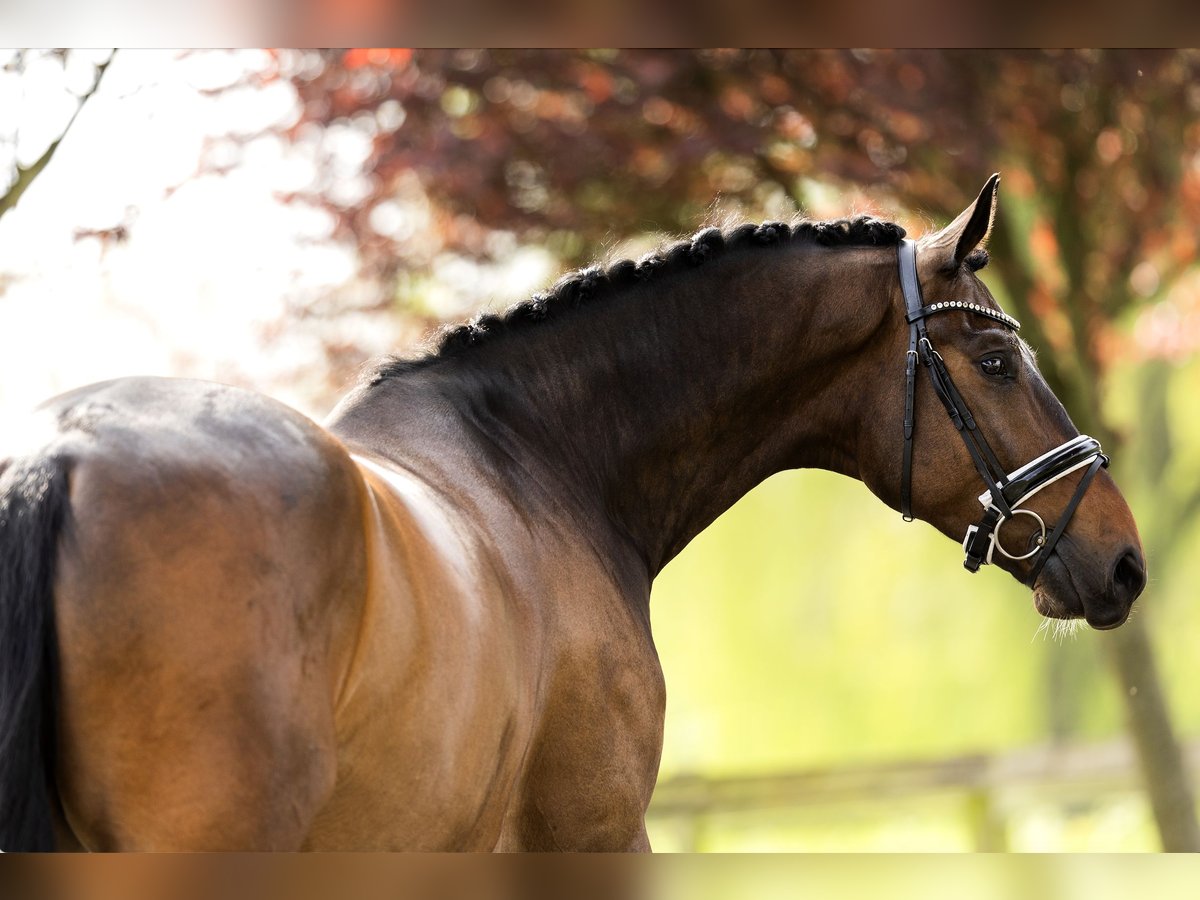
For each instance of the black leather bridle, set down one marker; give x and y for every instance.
(1005, 491)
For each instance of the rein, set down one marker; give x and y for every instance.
(1005, 491)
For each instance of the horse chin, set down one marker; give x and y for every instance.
(1054, 605)
(1056, 596)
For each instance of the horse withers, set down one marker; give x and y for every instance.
(425, 625)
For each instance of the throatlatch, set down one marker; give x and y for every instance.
(1005, 491)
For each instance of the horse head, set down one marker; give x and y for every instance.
(989, 454)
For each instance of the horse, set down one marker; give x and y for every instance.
(424, 624)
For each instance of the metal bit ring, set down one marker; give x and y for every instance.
(1037, 546)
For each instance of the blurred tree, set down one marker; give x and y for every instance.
(18, 175)
(1101, 211)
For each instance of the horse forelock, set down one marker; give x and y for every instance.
(596, 282)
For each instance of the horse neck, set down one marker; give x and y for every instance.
(651, 412)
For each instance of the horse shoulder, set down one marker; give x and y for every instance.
(438, 698)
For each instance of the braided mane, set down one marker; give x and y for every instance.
(593, 283)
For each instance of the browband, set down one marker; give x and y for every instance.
(950, 305)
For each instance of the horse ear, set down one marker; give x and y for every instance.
(947, 249)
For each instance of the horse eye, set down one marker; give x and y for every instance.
(993, 365)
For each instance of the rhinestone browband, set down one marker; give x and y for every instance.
(1002, 317)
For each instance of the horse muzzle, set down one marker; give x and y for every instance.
(1065, 590)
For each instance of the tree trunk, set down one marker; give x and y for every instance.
(1167, 781)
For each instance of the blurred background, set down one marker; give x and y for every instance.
(273, 219)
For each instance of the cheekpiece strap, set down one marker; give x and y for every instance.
(910, 286)
(909, 283)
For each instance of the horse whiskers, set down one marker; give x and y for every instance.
(1040, 631)
(1062, 629)
(1066, 628)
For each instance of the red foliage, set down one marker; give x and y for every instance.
(1094, 146)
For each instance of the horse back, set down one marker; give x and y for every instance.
(207, 601)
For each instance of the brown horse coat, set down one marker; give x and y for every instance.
(426, 624)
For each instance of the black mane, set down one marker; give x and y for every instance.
(593, 283)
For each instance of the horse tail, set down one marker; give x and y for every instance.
(34, 506)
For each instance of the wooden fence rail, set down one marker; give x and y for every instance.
(1060, 773)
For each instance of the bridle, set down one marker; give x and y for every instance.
(1005, 491)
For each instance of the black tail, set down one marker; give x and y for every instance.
(34, 504)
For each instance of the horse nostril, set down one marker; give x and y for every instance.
(1129, 575)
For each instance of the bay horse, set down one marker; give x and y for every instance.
(425, 625)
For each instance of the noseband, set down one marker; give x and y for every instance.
(1005, 492)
